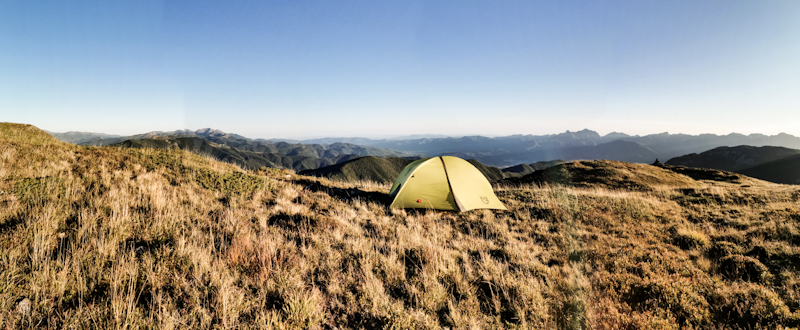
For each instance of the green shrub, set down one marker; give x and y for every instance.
(162, 158)
(229, 183)
(33, 190)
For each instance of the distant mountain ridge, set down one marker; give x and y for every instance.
(243, 158)
(584, 144)
(81, 137)
(261, 145)
(249, 153)
(501, 151)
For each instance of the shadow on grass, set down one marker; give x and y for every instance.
(704, 174)
(347, 194)
(11, 223)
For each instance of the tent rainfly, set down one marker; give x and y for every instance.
(443, 183)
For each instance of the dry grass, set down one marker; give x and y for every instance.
(129, 238)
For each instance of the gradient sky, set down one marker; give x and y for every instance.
(299, 69)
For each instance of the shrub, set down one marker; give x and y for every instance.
(689, 238)
(33, 190)
(723, 249)
(752, 306)
(229, 183)
(739, 267)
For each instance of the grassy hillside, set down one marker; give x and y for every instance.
(143, 238)
(607, 174)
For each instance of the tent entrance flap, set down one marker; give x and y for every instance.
(447, 176)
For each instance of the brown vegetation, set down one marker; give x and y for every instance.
(141, 238)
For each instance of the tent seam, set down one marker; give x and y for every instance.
(447, 176)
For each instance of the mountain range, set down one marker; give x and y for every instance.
(81, 137)
(237, 149)
(514, 154)
(244, 158)
(581, 145)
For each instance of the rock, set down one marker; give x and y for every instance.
(24, 306)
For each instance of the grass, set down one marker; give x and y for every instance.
(142, 238)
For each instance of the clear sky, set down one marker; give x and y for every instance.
(299, 69)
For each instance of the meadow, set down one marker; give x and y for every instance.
(114, 238)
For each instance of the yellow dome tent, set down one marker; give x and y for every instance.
(443, 183)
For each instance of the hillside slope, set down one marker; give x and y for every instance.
(370, 168)
(525, 169)
(607, 174)
(784, 170)
(383, 170)
(490, 172)
(248, 159)
(733, 159)
(518, 170)
(546, 163)
(163, 239)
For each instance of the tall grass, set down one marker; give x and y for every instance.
(142, 238)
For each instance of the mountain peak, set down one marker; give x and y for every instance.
(582, 134)
(616, 135)
(209, 131)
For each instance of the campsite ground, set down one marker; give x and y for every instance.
(141, 238)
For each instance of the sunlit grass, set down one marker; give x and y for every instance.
(142, 238)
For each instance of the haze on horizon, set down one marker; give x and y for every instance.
(380, 69)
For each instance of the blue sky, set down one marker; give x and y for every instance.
(299, 69)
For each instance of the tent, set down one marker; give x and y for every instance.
(443, 183)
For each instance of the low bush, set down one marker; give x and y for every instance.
(739, 267)
(689, 238)
(723, 249)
